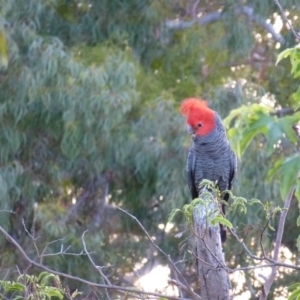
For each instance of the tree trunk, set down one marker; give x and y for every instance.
(213, 278)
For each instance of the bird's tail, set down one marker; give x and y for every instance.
(223, 233)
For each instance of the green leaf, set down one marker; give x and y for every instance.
(220, 219)
(297, 191)
(3, 49)
(294, 286)
(55, 293)
(172, 214)
(276, 168)
(298, 243)
(284, 54)
(254, 201)
(248, 137)
(286, 125)
(45, 277)
(290, 173)
(294, 294)
(16, 286)
(296, 97)
(271, 227)
(295, 61)
(76, 293)
(19, 298)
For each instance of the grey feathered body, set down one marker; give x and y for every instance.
(211, 157)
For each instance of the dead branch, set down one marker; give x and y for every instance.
(212, 271)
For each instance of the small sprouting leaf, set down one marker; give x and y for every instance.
(55, 293)
(254, 201)
(220, 219)
(241, 200)
(278, 209)
(199, 201)
(27, 278)
(172, 214)
(271, 227)
(16, 286)
(76, 293)
(45, 277)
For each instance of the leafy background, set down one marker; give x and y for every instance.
(89, 118)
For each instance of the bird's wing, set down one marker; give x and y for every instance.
(233, 168)
(232, 172)
(190, 172)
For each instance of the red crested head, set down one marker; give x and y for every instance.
(200, 118)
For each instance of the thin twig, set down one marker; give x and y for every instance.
(171, 263)
(274, 263)
(194, 9)
(178, 284)
(27, 231)
(61, 252)
(267, 285)
(32, 237)
(89, 283)
(98, 268)
(262, 231)
(296, 34)
(8, 211)
(177, 24)
(245, 246)
(64, 252)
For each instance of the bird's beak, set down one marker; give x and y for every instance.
(190, 130)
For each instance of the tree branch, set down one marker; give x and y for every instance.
(177, 24)
(296, 34)
(268, 283)
(98, 268)
(89, 283)
(172, 265)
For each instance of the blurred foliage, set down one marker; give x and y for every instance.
(89, 119)
(295, 288)
(32, 287)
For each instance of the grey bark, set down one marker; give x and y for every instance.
(212, 274)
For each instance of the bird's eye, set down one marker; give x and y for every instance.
(199, 124)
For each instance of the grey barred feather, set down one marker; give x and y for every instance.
(211, 157)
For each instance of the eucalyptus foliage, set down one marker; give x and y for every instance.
(89, 119)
